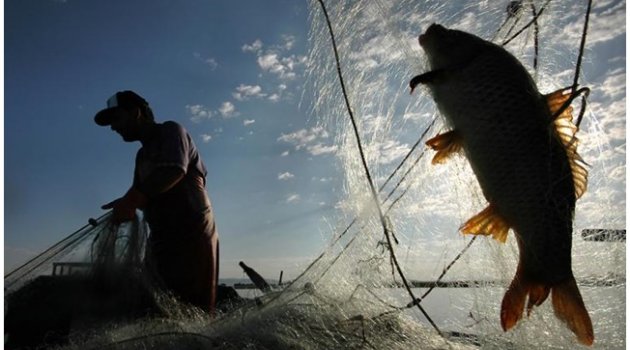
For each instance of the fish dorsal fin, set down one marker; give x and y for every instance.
(565, 130)
(487, 222)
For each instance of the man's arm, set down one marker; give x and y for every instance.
(160, 180)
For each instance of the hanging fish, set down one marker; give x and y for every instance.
(522, 148)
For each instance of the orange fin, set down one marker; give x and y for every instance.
(569, 307)
(446, 145)
(513, 302)
(487, 222)
(567, 304)
(538, 293)
(565, 130)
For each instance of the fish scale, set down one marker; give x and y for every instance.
(525, 161)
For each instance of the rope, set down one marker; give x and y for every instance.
(50, 253)
(527, 25)
(367, 171)
(536, 30)
(448, 267)
(578, 65)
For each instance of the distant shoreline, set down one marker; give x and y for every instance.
(603, 281)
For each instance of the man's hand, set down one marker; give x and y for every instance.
(124, 209)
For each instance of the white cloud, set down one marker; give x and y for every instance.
(277, 96)
(374, 124)
(289, 41)
(390, 150)
(607, 22)
(285, 153)
(309, 140)
(614, 86)
(199, 113)
(268, 61)
(319, 149)
(321, 179)
(206, 138)
(248, 122)
(376, 51)
(277, 61)
(253, 47)
(283, 67)
(293, 198)
(244, 92)
(304, 136)
(285, 176)
(417, 117)
(210, 61)
(620, 59)
(611, 120)
(228, 110)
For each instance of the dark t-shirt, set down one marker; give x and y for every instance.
(182, 207)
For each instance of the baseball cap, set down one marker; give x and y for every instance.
(121, 99)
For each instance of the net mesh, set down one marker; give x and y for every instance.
(98, 246)
(353, 295)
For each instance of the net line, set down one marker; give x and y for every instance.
(574, 94)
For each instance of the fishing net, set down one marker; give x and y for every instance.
(396, 273)
(363, 99)
(99, 245)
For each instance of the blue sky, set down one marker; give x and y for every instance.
(225, 71)
(233, 73)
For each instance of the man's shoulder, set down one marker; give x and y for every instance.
(170, 124)
(172, 127)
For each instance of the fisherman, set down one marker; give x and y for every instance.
(169, 187)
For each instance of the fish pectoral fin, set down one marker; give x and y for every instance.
(445, 144)
(487, 222)
(566, 130)
(426, 78)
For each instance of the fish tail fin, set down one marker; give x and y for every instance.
(513, 302)
(538, 293)
(567, 304)
(569, 307)
(520, 289)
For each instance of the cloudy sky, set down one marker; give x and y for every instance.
(224, 70)
(236, 75)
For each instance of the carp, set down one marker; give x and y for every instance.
(522, 148)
